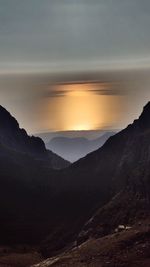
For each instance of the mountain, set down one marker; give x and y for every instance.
(87, 200)
(114, 184)
(110, 186)
(73, 149)
(26, 183)
(88, 134)
(121, 166)
(16, 139)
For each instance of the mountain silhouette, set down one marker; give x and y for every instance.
(88, 134)
(73, 149)
(87, 199)
(26, 169)
(16, 139)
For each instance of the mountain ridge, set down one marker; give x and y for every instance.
(17, 139)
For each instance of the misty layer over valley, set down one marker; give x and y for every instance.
(74, 148)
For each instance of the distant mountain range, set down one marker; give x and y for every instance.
(56, 209)
(88, 134)
(73, 149)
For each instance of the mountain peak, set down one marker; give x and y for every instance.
(7, 120)
(4, 110)
(146, 107)
(16, 139)
(144, 119)
(11, 135)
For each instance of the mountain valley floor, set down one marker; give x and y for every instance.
(128, 248)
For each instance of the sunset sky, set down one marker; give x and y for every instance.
(74, 64)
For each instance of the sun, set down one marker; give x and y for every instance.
(81, 127)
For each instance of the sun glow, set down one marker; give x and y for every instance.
(80, 127)
(81, 107)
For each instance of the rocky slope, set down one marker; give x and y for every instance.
(131, 181)
(125, 249)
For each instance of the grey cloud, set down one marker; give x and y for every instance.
(66, 31)
(109, 91)
(53, 93)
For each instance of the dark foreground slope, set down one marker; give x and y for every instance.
(125, 249)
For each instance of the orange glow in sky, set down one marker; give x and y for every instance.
(81, 107)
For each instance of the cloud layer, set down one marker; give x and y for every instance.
(62, 33)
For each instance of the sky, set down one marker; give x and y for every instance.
(74, 64)
(58, 31)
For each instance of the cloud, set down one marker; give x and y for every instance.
(109, 91)
(53, 93)
(74, 31)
